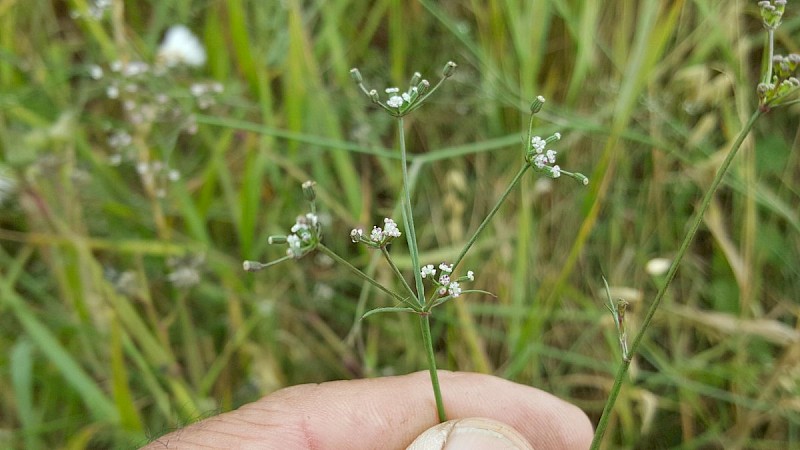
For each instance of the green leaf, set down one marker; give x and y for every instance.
(387, 310)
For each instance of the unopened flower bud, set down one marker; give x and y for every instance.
(355, 74)
(449, 69)
(415, 79)
(373, 94)
(308, 190)
(537, 104)
(252, 266)
(423, 87)
(276, 240)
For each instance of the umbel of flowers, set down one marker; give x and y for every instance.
(305, 235)
(780, 80)
(433, 285)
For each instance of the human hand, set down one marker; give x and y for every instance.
(389, 413)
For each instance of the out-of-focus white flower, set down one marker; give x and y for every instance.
(8, 185)
(180, 46)
(96, 72)
(657, 266)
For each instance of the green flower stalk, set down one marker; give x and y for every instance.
(778, 83)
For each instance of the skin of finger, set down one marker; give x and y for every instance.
(386, 413)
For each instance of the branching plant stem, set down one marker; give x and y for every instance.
(695, 224)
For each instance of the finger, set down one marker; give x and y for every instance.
(385, 413)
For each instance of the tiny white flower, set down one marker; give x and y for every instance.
(551, 156)
(470, 275)
(376, 235)
(392, 90)
(395, 101)
(428, 271)
(446, 267)
(134, 68)
(294, 246)
(184, 277)
(657, 266)
(8, 185)
(406, 97)
(442, 290)
(197, 89)
(538, 144)
(454, 289)
(180, 46)
(557, 135)
(356, 234)
(390, 228)
(444, 279)
(539, 161)
(555, 171)
(96, 72)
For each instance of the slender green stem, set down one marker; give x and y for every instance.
(321, 247)
(695, 224)
(490, 216)
(422, 99)
(511, 186)
(425, 324)
(408, 217)
(411, 238)
(770, 54)
(396, 271)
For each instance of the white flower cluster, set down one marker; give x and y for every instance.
(445, 284)
(379, 237)
(544, 158)
(180, 46)
(304, 237)
(397, 99)
(401, 103)
(204, 93)
(96, 10)
(156, 174)
(185, 272)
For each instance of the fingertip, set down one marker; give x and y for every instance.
(472, 433)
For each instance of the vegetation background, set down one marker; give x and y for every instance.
(124, 311)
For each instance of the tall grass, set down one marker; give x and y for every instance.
(101, 349)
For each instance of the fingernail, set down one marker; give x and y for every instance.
(470, 434)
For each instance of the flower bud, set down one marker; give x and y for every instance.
(415, 79)
(373, 94)
(537, 104)
(355, 74)
(252, 266)
(449, 69)
(276, 240)
(423, 87)
(309, 192)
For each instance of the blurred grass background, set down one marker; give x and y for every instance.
(124, 311)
